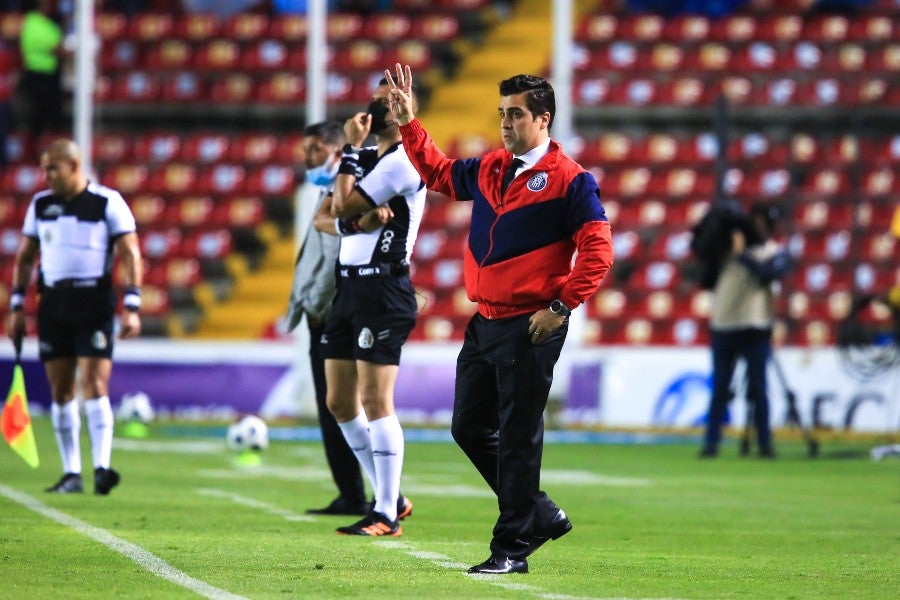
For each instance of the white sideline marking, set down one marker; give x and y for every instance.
(574, 477)
(265, 506)
(500, 581)
(144, 559)
(168, 447)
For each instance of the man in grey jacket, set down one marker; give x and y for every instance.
(311, 294)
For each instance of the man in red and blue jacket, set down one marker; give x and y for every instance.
(533, 209)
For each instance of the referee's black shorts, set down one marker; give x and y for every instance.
(76, 322)
(370, 320)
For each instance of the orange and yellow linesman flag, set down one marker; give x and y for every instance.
(15, 422)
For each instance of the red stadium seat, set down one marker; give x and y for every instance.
(733, 29)
(387, 27)
(265, 55)
(253, 148)
(222, 179)
(157, 147)
(128, 179)
(160, 243)
(197, 27)
(154, 301)
(238, 211)
(151, 27)
(170, 54)
(779, 28)
(645, 28)
(191, 212)
(288, 28)
(359, 55)
(281, 88)
(206, 147)
(112, 147)
(414, 53)
(828, 29)
(232, 88)
(120, 55)
(172, 179)
(208, 244)
(597, 28)
(173, 273)
(183, 87)
(872, 28)
(9, 212)
(136, 87)
(218, 55)
(110, 26)
(245, 27)
(344, 26)
(290, 149)
(689, 28)
(654, 275)
(149, 211)
(270, 180)
(434, 27)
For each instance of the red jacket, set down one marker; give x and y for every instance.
(519, 254)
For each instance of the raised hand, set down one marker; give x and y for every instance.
(400, 98)
(356, 128)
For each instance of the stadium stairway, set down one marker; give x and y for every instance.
(523, 43)
(259, 297)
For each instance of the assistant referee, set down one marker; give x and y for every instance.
(75, 226)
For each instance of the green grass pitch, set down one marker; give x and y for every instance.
(651, 521)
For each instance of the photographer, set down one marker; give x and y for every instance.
(742, 312)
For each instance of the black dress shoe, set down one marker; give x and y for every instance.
(500, 565)
(708, 452)
(341, 506)
(555, 529)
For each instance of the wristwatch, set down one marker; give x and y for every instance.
(557, 307)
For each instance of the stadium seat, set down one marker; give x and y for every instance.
(184, 87)
(434, 27)
(360, 55)
(281, 88)
(160, 243)
(112, 147)
(264, 55)
(149, 211)
(217, 55)
(197, 27)
(414, 53)
(245, 27)
(169, 55)
(191, 212)
(222, 180)
(288, 27)
(270, 180)
(207, 244)
(173, 273)
(253, 148)
(232, 88)
(654, 275)
(346, 26)
(157, 147)
(128, 179)
(205, 147)
(137, 86)
(172, 179)
(120, 55)
(151, 27)
(733, 29)
(110, 27)
(238, 212)
(387, 27)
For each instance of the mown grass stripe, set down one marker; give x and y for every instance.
(144, 559)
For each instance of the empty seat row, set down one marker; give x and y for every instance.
(156, 26)
(604, 27)
(753, 58)
(221, 55)
(615, 90)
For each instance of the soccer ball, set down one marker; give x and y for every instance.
(136, 407)
(250, 433)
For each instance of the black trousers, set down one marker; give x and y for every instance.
(502, 384)
(343, 464)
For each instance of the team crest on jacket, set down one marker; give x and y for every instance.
(537, 182)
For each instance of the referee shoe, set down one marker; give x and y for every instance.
(69, 483)
(105, 480)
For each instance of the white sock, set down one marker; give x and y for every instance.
(100, 424)
(387, 451)
(356, 432)
(66, 421)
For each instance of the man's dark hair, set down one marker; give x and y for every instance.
(331, 132)
(539, 98)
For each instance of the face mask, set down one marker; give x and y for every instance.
(324, 174)
(380, 114)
